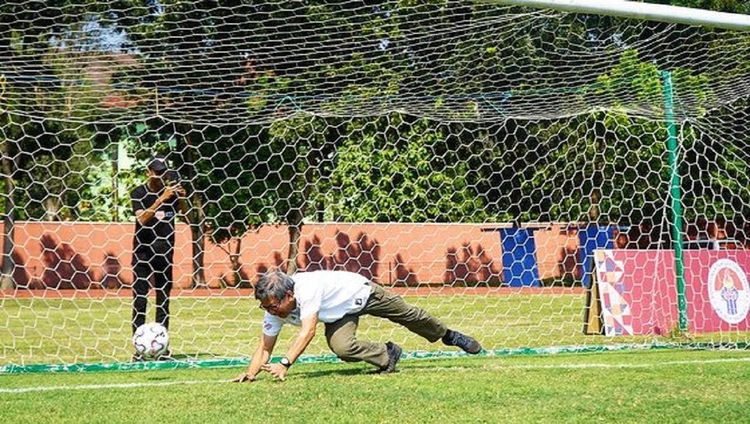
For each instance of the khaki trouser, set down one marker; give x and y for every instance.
(341, 334)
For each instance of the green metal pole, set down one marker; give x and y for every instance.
(676, 195)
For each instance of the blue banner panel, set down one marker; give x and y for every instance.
(519, 258)
(591, 238)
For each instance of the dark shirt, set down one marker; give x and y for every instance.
(157, 236)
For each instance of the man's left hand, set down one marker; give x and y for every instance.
(180, 190)
(277, 370)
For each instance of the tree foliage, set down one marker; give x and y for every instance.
(360, 158)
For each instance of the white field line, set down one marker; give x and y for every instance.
(106, 386)
(426, 369)
(582, 366)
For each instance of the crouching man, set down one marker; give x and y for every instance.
(338, 299)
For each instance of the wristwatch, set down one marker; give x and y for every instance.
(285, 362)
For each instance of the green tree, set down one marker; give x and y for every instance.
(386, 172)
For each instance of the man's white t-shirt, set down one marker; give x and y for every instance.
(329, 294)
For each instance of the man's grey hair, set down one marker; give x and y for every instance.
(273, 284)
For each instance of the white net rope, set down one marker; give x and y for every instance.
(421, 144)
(263, 62)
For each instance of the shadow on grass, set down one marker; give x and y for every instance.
(337, 370)
(196, 356)
(403, 367)
(160, 378)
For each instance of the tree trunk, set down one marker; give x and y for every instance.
(234, 258)
(295, 232)
(294, 220)
(196, 218)
(594, 211)
(115, 183)
(597, 180)
(6, 281)
(52, 208)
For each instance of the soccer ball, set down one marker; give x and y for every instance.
(151, 340)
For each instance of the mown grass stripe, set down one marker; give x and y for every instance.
(625, 365)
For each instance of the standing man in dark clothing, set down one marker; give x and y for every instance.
(155, 205)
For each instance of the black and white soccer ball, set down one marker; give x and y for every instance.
(151, 340)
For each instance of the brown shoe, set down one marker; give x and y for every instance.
(394, 355)
(468, 344)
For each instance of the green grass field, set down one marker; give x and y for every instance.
(94, 330)
(650, 386)
(634, 386)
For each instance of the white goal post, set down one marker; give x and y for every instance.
(642, 11)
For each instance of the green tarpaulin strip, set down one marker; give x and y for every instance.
(329, 358)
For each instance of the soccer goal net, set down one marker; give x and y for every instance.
(538, 179)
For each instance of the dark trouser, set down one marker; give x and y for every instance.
(157, 268)
(342, 334)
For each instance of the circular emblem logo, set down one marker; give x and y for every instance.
(728, 291)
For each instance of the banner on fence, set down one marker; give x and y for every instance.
(637, 291)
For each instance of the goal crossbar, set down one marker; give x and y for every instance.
(642, 11)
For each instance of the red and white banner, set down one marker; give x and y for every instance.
(638, 291)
